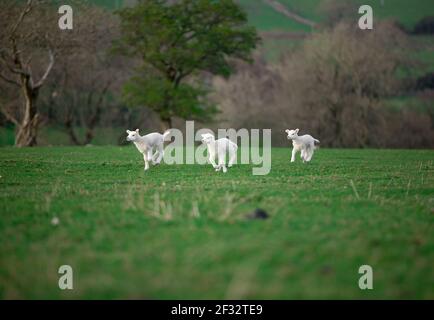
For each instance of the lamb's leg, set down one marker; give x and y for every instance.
(149, 156)
(222, 162)
(154, 157)
(303, 155)
(145, 157)
(294, 151)
(211, 160)
(310, 155)
(160, 154)
(233, 156)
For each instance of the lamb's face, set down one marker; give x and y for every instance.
(292, 134)
(133, 135)
(207, 138)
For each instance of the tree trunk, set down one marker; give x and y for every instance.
(70, 130)
(336, 112)
(92, 124)
(166, 123)
(27, 132)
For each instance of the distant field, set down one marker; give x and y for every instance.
(181, 232)
(111, 4)
(406, 12)
(265, 18)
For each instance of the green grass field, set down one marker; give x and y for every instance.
(180, 231)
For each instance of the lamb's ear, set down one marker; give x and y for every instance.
(297, 130)
(128, 131)
(137, 130)
(287, 131)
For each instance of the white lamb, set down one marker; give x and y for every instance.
(146, 144)
(220, 147)
(305, 144)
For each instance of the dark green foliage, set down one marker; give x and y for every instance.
(176, 41)
(161, 95)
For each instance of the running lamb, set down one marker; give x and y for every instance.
(219, 148)
(305, 144)
(146, 144)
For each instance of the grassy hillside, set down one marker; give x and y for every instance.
(265, 18)
(407, 13)
(111, 4)
(181, 232)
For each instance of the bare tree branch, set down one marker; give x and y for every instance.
(47, 71)
(17, 61)
(23, 14)
(4, 59)
(17, 71)
(9, 116)
(10, 81)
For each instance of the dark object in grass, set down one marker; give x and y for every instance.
(258, 214)
(326, 270)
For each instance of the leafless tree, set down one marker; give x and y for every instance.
(334, 86)
(85, 86)
(66, 72)
(340, 78)
(27, 41)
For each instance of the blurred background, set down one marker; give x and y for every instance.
(310, 67)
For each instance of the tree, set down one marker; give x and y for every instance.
(82, 90)
(340, 79)
(176, 41)
(26, 42)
